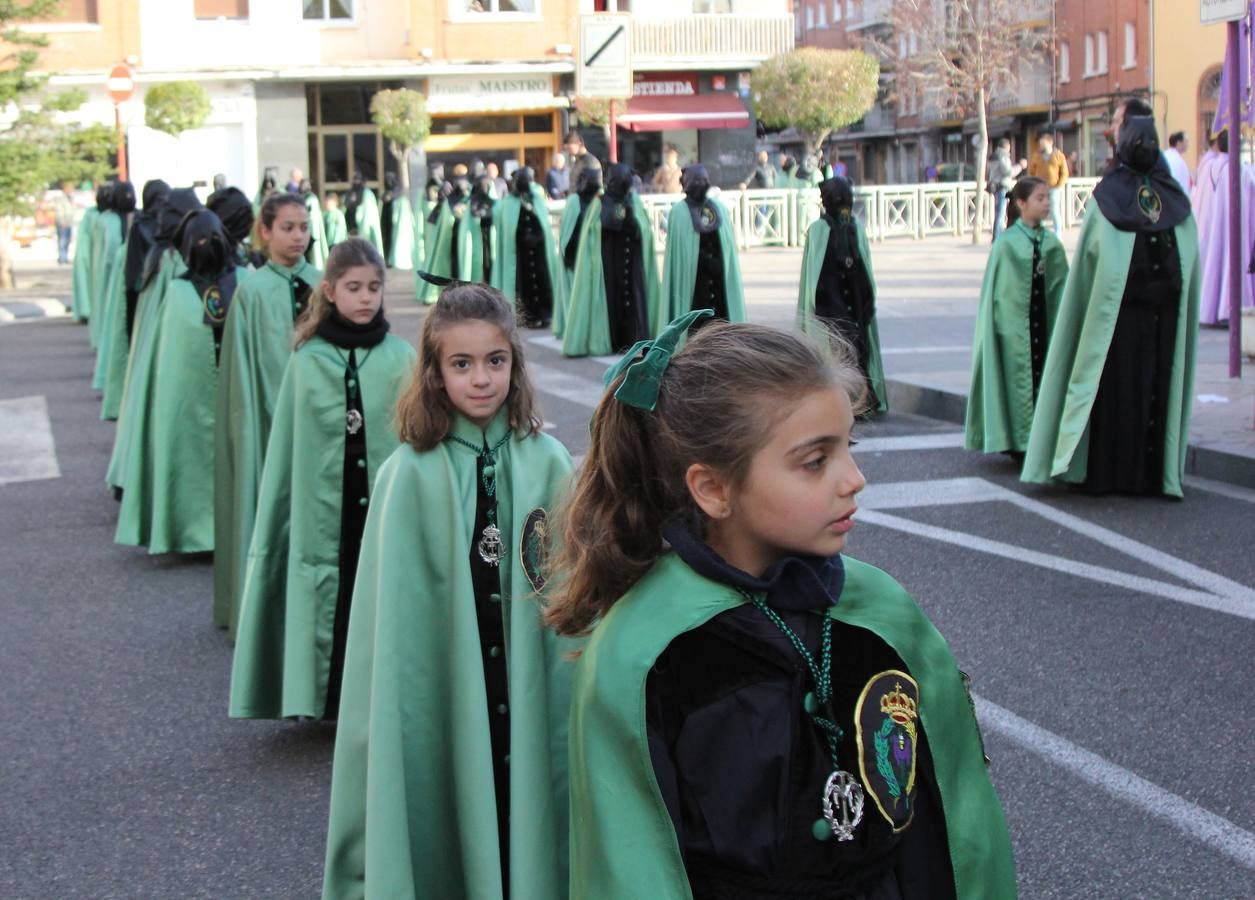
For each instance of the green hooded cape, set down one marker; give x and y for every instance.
(168, 503)
(336, 229)
(566, 230)
(403, 254)
(1058, 445)
(438, 261)
(1000, 400)
(81, 302)
(106, 237)
(256, 344)
(623, 843)
(316, 255)
(367, 216)
(679, 266)
(288, 608)
(812, 264)
(413, 810)
(505, 217)
(137, 384)
(112, 352)
(587, 328)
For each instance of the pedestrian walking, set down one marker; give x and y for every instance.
(763, 178)
(115, 205)
(173, 446)
(1019, 301)
(482, 207)
(1212, 217)
(332, 428)
(1051, 166)
(256, 344)
(361, 211)
(700, 268)
(333, 222)
(80, 274)
(451, 252)
(400, 216)
(450, 680)
(110, 319)
(557, 179)
(1178, 144)
(64, 214)
(1002, 174)
(667, 177)
(570, 227)
(837, 290)
(1113, 413)
(722, 474)
(526, 268)
(614, 288)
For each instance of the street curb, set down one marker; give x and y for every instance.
(1214, 463)
(19, 309)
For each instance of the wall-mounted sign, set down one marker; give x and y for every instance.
(1212, 11)
(516, 87)
(655, 84)
(603, 61)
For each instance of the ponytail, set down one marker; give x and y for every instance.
(1020, 193)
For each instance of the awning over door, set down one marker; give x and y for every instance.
(674, 113)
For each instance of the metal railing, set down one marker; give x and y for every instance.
(781, 218)
(705, 36)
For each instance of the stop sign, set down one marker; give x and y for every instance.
(121, 83)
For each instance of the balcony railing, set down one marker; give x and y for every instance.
(869, 13)
(731, 37)
(1033, 89)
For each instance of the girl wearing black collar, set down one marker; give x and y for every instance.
(332, 428)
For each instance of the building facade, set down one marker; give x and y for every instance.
(1186, 60)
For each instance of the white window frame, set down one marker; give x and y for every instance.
(1065, 62)
(459, 13)
(1130, 45)
(822, 11)
(836, 11)
(810, 18)
(1089, 55)
(1102, 54)
(913, 44)
(324, 21)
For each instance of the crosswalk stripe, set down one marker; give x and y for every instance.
(27, 451)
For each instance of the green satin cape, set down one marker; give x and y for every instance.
(587, 328)
(111, 355)
(623, 843)
(566, 229)
(403, 254)
(367, 216)
(438, 260)
(505, 217)
(288, 608)
(1058, 444)
(256, 344)
(679, 266)
(106, 237)
(812, 264)
(80, 290)
(337, 230)
(413, 810)
(1000, 399)
(168, 504)
(318, 245)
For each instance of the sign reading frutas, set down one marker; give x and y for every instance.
(604, 57)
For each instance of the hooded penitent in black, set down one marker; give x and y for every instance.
(844, 295)
(139, 241)
(179, 202)
(709, 289)
(622, 260)
(533, 287)
(481, 204)
(235, 212)
(587, 187)
(211, 260)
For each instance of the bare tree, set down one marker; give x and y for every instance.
(965, 54)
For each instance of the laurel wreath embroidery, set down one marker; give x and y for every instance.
(881, 739)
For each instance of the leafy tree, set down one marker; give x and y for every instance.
(816, 91)
(176, 107)
(403, 120)
(969, 53)
(85, 154)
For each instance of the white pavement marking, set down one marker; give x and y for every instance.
(53, 308)
(553, 342)
(573, 388)
(939, 441)
(939, 348)
(1233, 491)
(6, 316)
(1220, 594)
(1181, 814)
(27, 451)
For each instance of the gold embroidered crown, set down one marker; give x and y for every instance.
(897, 705)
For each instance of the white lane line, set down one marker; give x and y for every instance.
(1179, 813)
(935, 348)
(1233, 491)
(6, 316)
(1136, 583)
(27, 451)
(909, 442)
(941, 492)
(572, 388)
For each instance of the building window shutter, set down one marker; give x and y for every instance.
(1130, 45)
(1065, 63)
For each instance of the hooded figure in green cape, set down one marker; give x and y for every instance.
(455, 243)
(838, 288)
(1019, 300)
(162, 264)
(483, 209)
(701, 269)
(399, 236)
(1117, 390)
(455, 699)
(527, 270)
(256, 344)
(108, 231)
(81, 270)
(319, 246)
(168, 504)
(112, 350)
(334, 225)
(331, 430)
(586, 189)
(434, 193)
(615, 293)
(361, 211)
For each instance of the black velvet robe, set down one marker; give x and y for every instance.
(531, 271)
(844, 295)
(623, 269)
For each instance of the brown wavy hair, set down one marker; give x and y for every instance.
(425, 412)
(343, 256)
(718, 402)
(1019, 194)
(269, 212)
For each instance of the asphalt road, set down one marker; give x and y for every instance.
(1109, 641)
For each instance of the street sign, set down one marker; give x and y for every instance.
(121, 83)
(1213, 11)
(604, 57)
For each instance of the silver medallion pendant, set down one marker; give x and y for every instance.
(489, 547)
(352, 421)
(843, 804)
(1041, 267)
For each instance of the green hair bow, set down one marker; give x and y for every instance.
(644, 376)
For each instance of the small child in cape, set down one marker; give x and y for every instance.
(332, 427)
(756, 715)
(1019, 301)
(449, 777)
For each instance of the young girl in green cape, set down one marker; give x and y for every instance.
(755, 714)
(335, 227)
(453, 717)
(256, 344)
(332, 427)
(1024, 280)
(168, 505)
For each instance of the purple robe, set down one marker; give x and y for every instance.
(1211, 211)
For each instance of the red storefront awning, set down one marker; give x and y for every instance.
(673, 113)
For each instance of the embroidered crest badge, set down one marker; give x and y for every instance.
(886, 724)
(534, 548)
(215, 309)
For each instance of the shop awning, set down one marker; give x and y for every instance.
(673, 113)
